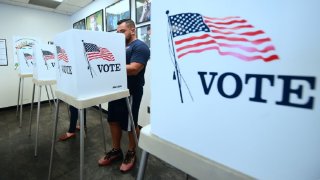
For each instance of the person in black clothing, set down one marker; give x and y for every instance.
(73, 124)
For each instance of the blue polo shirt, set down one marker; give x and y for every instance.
(137, 51)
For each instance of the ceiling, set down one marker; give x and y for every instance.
(67, 7)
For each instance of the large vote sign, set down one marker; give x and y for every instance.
(45, 62)
(25, 57)
(239, 83)
(90, 63)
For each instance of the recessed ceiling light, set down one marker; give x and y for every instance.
(58, 0)
(49, 4)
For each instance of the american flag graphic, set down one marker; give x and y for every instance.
(62, 54)
(229, 36)
(47, 55)
(28, 56)
(95, 52)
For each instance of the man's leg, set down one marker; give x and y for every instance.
(130, 158)
(116, 134)
(132, 143)
(115, 153)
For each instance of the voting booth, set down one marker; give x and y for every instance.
(91, 71)
(25, 58)
(22, 42)
(237, 83)
(45, 62)
(44, 74)
(90, 63)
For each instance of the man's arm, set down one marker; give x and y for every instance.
(134, 68)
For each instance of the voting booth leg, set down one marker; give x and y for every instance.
(131, 121)
(18, 96)
(81, 112)
(103, 131)
(21, 102)
(32, 101)
(53, 98)
(54, 134)
(48, 96)
(143, 164)
(38, 116)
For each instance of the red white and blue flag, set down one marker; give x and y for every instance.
(229, 36)
(47, 55)
(62, 55)
(27, 56)
(94, 52)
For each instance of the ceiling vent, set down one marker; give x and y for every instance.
(48, 4)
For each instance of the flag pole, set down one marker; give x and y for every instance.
(45, 62)
(25, 59)
(58, 58)
(177, 72)
(89, 66)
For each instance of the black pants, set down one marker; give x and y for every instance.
(74, 117)
(118, 111)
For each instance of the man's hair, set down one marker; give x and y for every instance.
(128, 22)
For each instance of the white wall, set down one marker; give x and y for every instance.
(20, 21)
(102, 4)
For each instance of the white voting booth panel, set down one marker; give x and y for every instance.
(90, 63)
(238, 83)
(45, 62)
(26, 60)
(20, 42)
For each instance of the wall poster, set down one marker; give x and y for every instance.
(3, 53)
(115, 12)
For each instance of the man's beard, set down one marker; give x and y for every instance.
(128, 40)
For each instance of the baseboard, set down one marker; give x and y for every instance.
(43, 102)
(24, 105)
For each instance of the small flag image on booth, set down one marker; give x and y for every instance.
(94, 52)
(26, 60)
(45, 58)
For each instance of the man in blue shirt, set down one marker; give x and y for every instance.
(137, 56)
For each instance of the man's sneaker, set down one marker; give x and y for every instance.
(111, 156)
(128, 161)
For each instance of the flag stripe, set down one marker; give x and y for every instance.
(244, 48)
(48, 57)
(232, 28)
(230, 22)
(258, 41)
(234, 54)
(221, 19)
